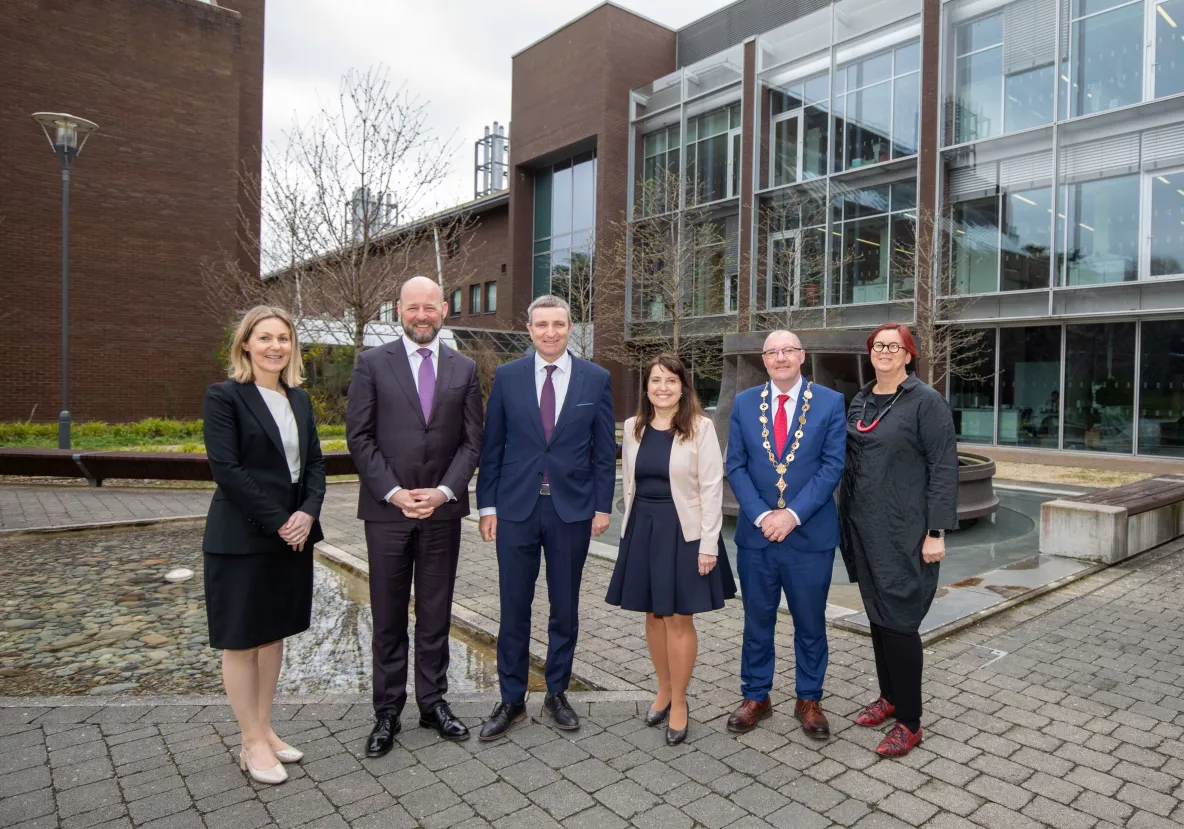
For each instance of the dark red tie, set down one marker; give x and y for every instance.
(547, 410)
(780, 424)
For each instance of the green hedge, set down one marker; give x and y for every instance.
(95, 435)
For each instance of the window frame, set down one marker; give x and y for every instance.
(839, 163)
(490, 307)
(475, 299)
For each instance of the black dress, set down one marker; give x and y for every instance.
(657, 569)
(900, 481)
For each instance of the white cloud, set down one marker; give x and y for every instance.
(453, 53)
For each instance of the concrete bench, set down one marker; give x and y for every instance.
(96, 467)
(1114, 524)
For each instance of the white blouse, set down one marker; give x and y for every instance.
(281, 410)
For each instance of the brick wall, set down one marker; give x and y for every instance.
(571, 92)
(176, 88)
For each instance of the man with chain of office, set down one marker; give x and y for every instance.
(786, 448)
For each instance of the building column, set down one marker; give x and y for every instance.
(748, 140)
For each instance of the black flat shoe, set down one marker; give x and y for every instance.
(673, 737)
(504, 715)
(447, 724)
(382, 738)
(557, 707)
(653, 717)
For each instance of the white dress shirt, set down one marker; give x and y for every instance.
(281, 411)
(415, 359)
(560, 379)
(790, 405)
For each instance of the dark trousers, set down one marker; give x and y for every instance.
(804, 578)
(565, 547)
(402, 553)
(898, 667)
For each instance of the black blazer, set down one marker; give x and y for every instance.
(391, 443)
(247, 457)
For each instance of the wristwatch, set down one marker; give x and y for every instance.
(937, 533)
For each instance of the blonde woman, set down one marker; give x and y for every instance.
(266, 459)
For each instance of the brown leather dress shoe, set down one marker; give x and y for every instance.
(749, 713)
(809, 713)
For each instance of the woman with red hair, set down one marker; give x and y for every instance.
(898, 497)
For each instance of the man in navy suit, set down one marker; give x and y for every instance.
(786, 449)
(545, 480)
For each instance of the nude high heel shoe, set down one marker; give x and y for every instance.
(290, 755)
(273, 776)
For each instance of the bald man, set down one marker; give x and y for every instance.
(787, 444)
(413, 425)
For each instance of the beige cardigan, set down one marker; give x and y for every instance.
(696, 481)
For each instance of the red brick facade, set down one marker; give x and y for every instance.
(176, 87)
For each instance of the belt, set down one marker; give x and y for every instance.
(545, 489)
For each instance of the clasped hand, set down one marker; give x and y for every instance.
(778, 524)
(418, 503)
(296, 529)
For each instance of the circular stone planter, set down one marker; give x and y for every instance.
(976, 493)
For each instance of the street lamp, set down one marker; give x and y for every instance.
(63, 131)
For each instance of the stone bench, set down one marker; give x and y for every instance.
(1114, 524)
(96, 467)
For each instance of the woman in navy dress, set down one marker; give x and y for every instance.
(669, 563)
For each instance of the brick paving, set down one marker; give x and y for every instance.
(39, 507)
(1067, 711)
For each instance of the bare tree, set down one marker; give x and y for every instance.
(679, 264)
(348, 212)
(947, 349)
(792, 261)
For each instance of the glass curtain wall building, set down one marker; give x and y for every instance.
(1050, 187)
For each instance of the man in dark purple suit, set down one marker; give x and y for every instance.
(413, 426)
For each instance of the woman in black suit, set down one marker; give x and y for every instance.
(263, 449)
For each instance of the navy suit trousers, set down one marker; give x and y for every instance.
(518, 546)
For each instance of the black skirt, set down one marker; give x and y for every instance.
(255, 599)
(657, 570)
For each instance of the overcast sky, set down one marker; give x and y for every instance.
(453, 53)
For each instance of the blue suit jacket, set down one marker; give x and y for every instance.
(811, 478)
(581, 459)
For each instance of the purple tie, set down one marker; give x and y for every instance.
(427, 382)
(547, 410)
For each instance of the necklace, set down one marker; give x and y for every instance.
(781, 468)
(859, 425)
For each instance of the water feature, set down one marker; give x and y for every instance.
(334, 654)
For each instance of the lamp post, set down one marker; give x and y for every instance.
(63, 131)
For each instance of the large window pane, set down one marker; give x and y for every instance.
(814, 144)
(869, 123)
(978, 95)
(1026, 227)
(903, 258)
(972, 390)
(541, 279)
(1028, 99)
(1102, 231)
(1107, 59)
(1099, 387)
(1161, 389)
(1169, 48)
(975, 243)
(1167, 225)
(561, 200)
(867, 254)
(785, 151)
(583, 203)
(906, 116)
(1029, 386)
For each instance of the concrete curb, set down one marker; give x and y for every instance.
(103, 525)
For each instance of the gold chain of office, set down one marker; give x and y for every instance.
(781, 467)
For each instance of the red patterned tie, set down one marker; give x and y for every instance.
(780, 426)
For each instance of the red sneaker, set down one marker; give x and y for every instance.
(899, 742)
(876, 713)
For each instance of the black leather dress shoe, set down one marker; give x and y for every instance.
(504, 715)
(674, 737)
(447, 724)
(653, 717)
(557, 706)
(386, 726)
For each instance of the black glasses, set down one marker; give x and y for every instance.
(891, 348)
(788, 351)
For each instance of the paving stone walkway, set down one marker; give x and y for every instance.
(1067, 711)
(40, 507)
